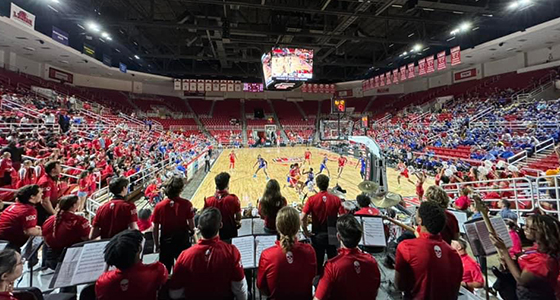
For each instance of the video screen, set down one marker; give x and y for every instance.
(287, 64)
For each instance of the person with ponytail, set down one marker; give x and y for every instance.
(64, 229)
(537, 268)
(19, 221)
(175, 217)
(131, 279)
(11, 268)
(271, 202)
(278, 264)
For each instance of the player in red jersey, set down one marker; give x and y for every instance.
(232, 158)
(307, 156)
(403, 172)
(341, 163)
(421, 175)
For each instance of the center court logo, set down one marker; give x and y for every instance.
(287, 160)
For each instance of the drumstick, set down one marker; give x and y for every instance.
(400, 224)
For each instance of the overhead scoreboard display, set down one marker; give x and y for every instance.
(338, 105)
(287, 68)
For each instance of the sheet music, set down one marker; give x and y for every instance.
(502, 230)
(246, 227)
(31, 246)
(461, 218)
(67, 268)
(484, 235)
(374, 233)
(91, 263)
(359, 219)
(472, 236)
(246, 247)
(263, 242)
(258, 226)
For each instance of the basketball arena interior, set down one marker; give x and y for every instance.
(414, 113)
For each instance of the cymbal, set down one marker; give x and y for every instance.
(368, 187)
(337, 193)
(386, 200)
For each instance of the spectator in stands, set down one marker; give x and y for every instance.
(18, 221)
(152, 192)
(421, 262)
(352, 274)
(26, 174)
(64, 229)
(211, 269)
(175, 217)
(439, 196)
(463, 202)
(324, 209)
(16, 153)
(228, 205)
(278, 263)
(505, 211)
(269, 205)
(48, 182)
(11, 268)
(472, 274)
(364, 202)
(117, 214)
(536, 270)
(6, 169)
(132, 279)
(145, 220)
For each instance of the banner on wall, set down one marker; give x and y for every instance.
(456, 56)
(441, 61)
(59, 36)
(192, 85)
(410, 71)
(396, 76)
(388, 78)
(464, 75)
(22, 16)
(422, 67)
(376, 80)
(89, 50)
(200, 85)
(344, 93)
(382, 80)
(122, 67)
(60, 75)
(430, 68)
(403, 73)
(177, 84)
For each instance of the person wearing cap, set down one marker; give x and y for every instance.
(211, 269)
(352, 274)
(427, 267)
(472, 274)
(323, 208)
(228, 205)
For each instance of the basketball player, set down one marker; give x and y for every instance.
(262, 165)
(362, 162)
(324, 166)
(232, 158)
(307, 157)
(403, 172)
(341, 163)
(310, 182)
(421, 175)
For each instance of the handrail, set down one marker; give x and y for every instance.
(521, 156)
(544, 145)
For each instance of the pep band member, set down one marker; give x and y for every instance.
(352, 274)
(472, 274)
(439, 196)
(19, 221)
(64, 229)
(210, 269)
(536, 271)
(278, 264)
(132, 279)
(228, 205)
(11, 268)
(269, 205)
(175, 217)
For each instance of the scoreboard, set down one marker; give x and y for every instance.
(338, 106)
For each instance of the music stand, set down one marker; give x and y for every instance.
(29, 250)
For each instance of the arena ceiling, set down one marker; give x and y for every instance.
(225, 39)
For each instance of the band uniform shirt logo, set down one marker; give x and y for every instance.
(124, 285)
(357, 267)
(437, 250)
(290, 257)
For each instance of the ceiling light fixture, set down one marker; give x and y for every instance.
(136, 56)
(93, 26)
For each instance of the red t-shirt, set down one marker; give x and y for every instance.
(541, 265)
(321, 207)
(367, 211)
(451, 228)
(462, 202)
(172, 215)
(50, 189)
(7, 296)
(228, 205)
(207, 269)
(70, 229)
(14, 220)
(352, 274)
(144, 224)
(270, 221)
(139, 282)
(421, 263)
(471, 270)
(276, 270)
(114, 217)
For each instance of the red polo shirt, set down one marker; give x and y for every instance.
(276, 270)
(451, 227)
(139, 282)
(471, 270)
(207, 269)
(321, 206)
(352, 274)
(423, 261)
(14, 220)
(114, 217)
(50, 189)
(7, 296)
(172, 215)
(70, 229)
(228, 205)
(541, 265)
(462, 202)
(367, 211)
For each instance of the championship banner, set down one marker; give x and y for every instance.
(208, 85)
(59, 36)
(223, 85)
(21, 16)
(441, 61)
(192, 85)
(430, 64)
(403, 73)
(200, 85)
(60, 75)
(376, 81)
(365, 85)
(456, 56)
(177, 85)
(230, 87)
(388, 77)
(422, 67)
(410, 71)
(89, 50)
(382, 80)
(396, 76)
(238, 86)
